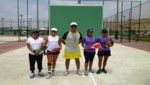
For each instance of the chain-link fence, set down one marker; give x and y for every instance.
(133, 23)
(9, 30)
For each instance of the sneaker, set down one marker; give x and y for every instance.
(49, 75)
(66, 73)
(86, 73)
(32, 75)
(79, 73)
(53, 73)
(91, 70)
(99, 71)
(104, 71)
(41, 74)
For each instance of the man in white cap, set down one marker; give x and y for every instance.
(72, 39)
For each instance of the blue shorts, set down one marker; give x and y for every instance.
(104, 53)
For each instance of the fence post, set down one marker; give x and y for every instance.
(139, 22)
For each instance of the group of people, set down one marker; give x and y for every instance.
(71, 40)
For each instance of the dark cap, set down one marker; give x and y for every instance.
(35, 31)
(104, 31)
(90, 30)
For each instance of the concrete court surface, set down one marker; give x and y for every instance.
(126, 66)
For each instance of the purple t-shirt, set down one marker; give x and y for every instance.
(103, 41)
(88, 42)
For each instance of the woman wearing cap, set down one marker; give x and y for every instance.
(54, 46)
(33, 44)
(72, 39)
(104, 52)
(89, 53)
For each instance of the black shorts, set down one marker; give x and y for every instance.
(89, 56)
(53, 53)
(104, 53)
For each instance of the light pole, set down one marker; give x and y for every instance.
(18, 20)
(21, 23)
(3, 25)
(30, 23)
(38, 14)
(27, 21)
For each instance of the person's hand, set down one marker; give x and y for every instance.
(36, 53)
(45, 53)
(84, 48)
(100, 49)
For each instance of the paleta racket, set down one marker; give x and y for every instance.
(96, 46)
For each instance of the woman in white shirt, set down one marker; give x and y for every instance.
(33, 44)
(54, 46)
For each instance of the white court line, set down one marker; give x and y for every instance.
(93, 79)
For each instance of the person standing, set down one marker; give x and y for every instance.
(104, 52)
(89, 52)
(33, 44)
(71, 40)
(54, 46)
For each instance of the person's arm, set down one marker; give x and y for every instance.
(64, 38)
(29, 47)
(112, 42)
(80, 39)
(60, 45)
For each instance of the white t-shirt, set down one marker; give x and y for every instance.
(52, 42)
(35, 44)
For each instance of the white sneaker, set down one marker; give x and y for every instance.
(91, 70)
(41, 74)
(86, 73)
(66, 73)
(53, 73)
(32, 75)
(49, 75)
(79, 73)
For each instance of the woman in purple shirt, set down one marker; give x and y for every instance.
(104, 51)
(89, 53)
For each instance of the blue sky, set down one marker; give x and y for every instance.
(8, 8)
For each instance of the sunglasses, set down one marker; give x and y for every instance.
(73, 26)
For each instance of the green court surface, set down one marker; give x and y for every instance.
(126, 66)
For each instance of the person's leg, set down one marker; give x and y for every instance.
(39, 62)
(100, 58)
(77, 63)
(91, 60)
(86, 61)
(86, 56)
(105, 61)
(32, 63)
(49, 58)
(104, 64)
(67, 63)
(54, 61)
(78, 66)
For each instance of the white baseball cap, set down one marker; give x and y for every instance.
(73, 23)
(54, 29)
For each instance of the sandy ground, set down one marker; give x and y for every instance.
(126, 66)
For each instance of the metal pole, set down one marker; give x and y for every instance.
(130, 25)
(121, 22)
(30, 23)
(38, 14)
(139, 21)
(18, 20)
(48, 17)
(21, 24)
(27, 20)
(117, 18)
(3, 25)
(79, 1)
